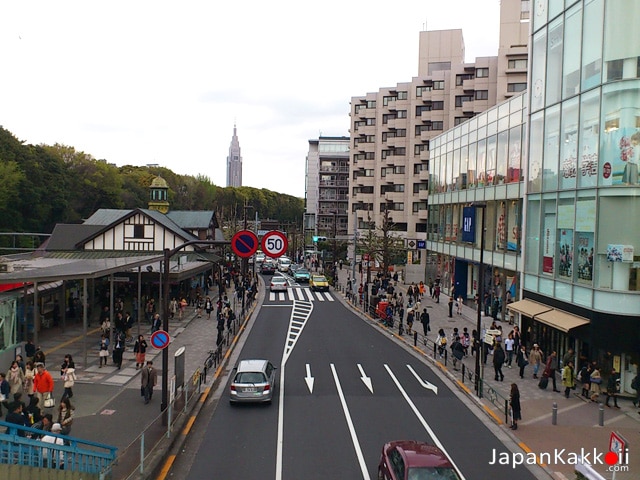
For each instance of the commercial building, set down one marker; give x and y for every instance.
(391, 129)
(327, 190)
(234, 162)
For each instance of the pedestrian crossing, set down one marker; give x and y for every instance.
(300, 293)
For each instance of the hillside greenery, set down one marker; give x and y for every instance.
(43, 185)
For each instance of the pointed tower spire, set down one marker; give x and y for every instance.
(234, 161)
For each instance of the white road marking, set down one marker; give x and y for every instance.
(424, 423)
(366, 380)
(352, 430)
(290, 294)
(424, 383)
(309, 379)
(319, 296)
(309, 294)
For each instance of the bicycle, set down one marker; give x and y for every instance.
(210, 360)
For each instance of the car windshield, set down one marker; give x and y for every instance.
(319, 279)
(278, 280)
(432, 473)
(250, 377)
(302, 271)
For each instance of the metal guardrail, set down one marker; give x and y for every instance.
(21, 445)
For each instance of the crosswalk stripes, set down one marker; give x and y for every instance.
(300, 293)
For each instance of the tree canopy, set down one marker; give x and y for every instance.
(48, 184)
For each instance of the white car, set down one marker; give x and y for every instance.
(260, 257)
(278, 284)
(283, 264)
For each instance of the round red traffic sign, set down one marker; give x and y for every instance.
(244, 243)
(160, 339)
(274, 244)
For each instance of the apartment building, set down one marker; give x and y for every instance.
(391, 129)
(327, 201)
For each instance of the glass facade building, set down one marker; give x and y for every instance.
(582, 220)
(479, 163)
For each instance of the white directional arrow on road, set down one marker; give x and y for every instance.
(424, 383)
(365, 379)
(309, 379)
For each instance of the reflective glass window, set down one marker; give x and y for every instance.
(538, 69)
(592, 43)
(514, 166)
(551, 149)
(471, 166)
(588, 146)
(554, 61)
(490, 171)
(532, 258)
(572, 45)
(569, 144)
(584, 241)
(481, 162)
(536, 142)
(502, 156)
(564, 255)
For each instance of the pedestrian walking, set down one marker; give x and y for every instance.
(156, 323)
(509, 345)
(118, 349)
(42, 384)
(425, 320)
(459, 305)
(149, 378)
(208, 307)
(535, 359)
(613, 387)
(498, 361)
(594, 384)
(635, 384)
(103, 352)
(457, 350)
(583, 378)
(550, 369)
(15, 377)
(140, 349)
(173, 307)
(450, 305)
(441, 342)
(436, 293)
(514, 404)
(53, 458)
(69, 379)
(568, 378)
(29, 375)
(465, 339)
(5, 391)
(521, 359)
(65, 415)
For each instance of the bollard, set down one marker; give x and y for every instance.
(601, 414)
(415, 339)
(554, 414)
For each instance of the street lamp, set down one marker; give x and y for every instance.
(482, 206)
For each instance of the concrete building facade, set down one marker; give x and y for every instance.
(391, 129)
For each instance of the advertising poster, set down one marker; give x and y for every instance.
(501, 227)
(566, 253)
(589, 157)
(584, 256)
(622, 151)
(549, 243)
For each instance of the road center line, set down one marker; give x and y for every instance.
(422, 420)
(352, 430)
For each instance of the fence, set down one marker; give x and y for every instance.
(140, 458)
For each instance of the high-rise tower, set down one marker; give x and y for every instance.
(234, 162)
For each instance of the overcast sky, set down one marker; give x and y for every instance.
(156, 82)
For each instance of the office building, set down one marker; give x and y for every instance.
(234, 162)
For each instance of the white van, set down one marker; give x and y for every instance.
(284, 263)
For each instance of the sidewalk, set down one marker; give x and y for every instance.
(577, 418)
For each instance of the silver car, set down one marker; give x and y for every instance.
(254, 381)
(278, 284)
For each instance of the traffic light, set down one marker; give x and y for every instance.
(322, 239)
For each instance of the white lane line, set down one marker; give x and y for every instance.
(352, 430)
(290, 294)
(280, 441)
(329, 296)
(424, 423)
(319, 296)
(309, 294)
(299, 292)
(272, 296)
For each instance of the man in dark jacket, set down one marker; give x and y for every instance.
(15, 416)
(498, 361)
(457, 350)
(424, 319)
(550, 369)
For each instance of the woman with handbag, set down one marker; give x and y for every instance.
(29, 375)
(69, 379)
(15, 377)
(140, 349)
(594, 387)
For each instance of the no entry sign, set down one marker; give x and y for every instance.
(274, 244)
(244, 243)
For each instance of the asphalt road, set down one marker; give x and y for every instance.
(366, 390)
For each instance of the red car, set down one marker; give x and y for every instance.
(411, 460)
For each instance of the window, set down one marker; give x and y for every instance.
(439, 105)
(419, 167)
(386, 135)
(482, 72)
(391, 206)
(385, 153)
(422, 88)
(371, 104)
(359, 107)
(388, 116)
(371, 121)
(402, 95)
(525, 9)
(462, 77)
(417, 206)
(614, 70)
(399, 151)
(422, 108)
(401, 114)
(518, 63)
(459, 120)
(482, 94)
(138, 231)
(438, 66)
(463, 98)
(387, 99)
(401, 132)
(516, 87)
(420, 147)
(422, 128)
(438, 85)
(363, 189)
(391, 188)
(420, 187)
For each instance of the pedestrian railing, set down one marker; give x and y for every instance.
(21, 445)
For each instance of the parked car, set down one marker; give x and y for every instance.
(301, 275)
(278, 284)
(268, 267)
(319, 283)
(254, 381)
(409, 459)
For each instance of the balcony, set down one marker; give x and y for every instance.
(469, 85)
(423, 214)
(423, 194)
(467, 107)
(424, 155)
(424, 175)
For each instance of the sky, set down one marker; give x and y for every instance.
(157, 82)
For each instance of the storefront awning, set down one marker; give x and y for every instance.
(561, 320)
(528, 307)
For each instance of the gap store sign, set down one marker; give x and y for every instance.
(469, 224)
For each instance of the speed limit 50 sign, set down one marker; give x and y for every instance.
(274, 244)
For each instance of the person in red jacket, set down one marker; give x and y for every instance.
(42, 383)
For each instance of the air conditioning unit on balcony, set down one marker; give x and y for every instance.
(6, 268)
